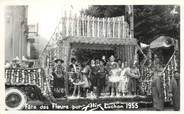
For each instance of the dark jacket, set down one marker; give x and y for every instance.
(101, 71)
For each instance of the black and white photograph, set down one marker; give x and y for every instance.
(90, 57)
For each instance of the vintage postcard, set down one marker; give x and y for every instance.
(68, 56)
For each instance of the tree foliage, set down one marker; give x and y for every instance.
(150, 21)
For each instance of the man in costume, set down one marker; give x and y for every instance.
(92, 78)
(101, 75)
(73, 74)
(133, 75)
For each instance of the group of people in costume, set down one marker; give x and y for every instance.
(105, 77)
(102, 77)
(99, 77)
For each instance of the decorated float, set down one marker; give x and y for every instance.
(108, 35)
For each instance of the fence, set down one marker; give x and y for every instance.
(88, 26)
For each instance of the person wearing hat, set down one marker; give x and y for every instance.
(73, 65)
(16, 62)
(59, 79)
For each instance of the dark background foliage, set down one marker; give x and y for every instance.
(150, 21)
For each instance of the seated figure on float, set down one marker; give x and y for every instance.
(82, 85)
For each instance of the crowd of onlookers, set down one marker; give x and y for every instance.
(17, 63)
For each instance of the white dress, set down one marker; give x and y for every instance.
(122, 87)
(115, 75)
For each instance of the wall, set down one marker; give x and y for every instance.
(15, 32)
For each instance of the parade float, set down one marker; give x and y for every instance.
(90, 33)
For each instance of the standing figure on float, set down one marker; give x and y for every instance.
(112, 68)
(59, 79)
(133, 76)
(92, 78)
(101, 73)
(122, 87)
(73, 74)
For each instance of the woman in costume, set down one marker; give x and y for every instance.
(109, 67)
(83, 83)
(122, 87)
(114, 79)
(59, 79)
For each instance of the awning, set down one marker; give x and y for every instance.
(92, 46)
(105, 41)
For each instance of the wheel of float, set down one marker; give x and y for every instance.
(15, 99)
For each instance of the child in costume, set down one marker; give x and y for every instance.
(114, 79)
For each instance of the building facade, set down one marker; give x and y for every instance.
(16, 31)
(33, 42)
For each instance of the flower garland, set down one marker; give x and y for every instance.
(18, 76)
(168, 73)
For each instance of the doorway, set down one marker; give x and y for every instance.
(89, 54)
(86, 52)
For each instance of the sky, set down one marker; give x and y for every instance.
(48, 15)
